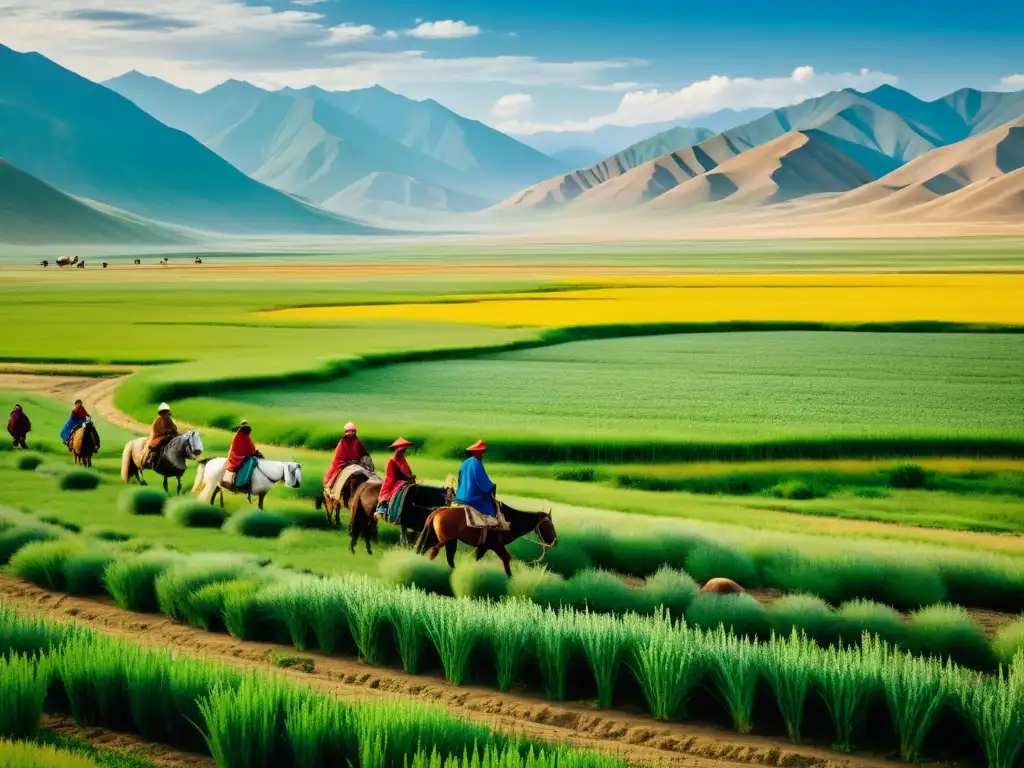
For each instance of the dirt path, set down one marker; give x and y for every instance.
(640, 740)
(97, 394)
(159, 755)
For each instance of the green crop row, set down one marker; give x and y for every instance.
(249, 720)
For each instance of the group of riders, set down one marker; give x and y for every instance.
(474, 489)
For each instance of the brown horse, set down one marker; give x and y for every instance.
(362, 521)
(84, 444)
(446, 527)
(332, 503)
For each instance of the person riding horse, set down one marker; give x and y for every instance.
(163, 430)
(397, 475)
(475, 489)
(350, 450)
(77, 418)
(242, 456)
(18, 426)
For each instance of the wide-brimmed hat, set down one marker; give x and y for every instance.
(163, 407)
(242, 425)
(478, 447)
(350, 427)
(399, 444)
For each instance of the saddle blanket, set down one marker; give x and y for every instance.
(334, 489)
(228, 483)
(477, 519)
(391, 511)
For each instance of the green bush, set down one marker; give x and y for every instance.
(797, 490)
(988, 583)
(947, 631)
(83, 572)
(306, 518)
(604, 592)
(42, 562)
(478, 579)
(716, 561)
(408, 569)
(577, 474)
(28, 462)
(860, 616)
(673, 589)
(908, 476)
(105, 534)
(195, 514)
(174, 586)
(569, 557)
(56, 521)
(741, 614)
(131, 580)
(79, 480)
(257, 524)
(805, 613)
(142, 501)
(13, 539)
(1008, 641)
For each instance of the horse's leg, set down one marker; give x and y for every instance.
(506, 558)
(166, 489)
(480, 552)
(179, 486)
(449, 550)
(260, 503)
(368, 537)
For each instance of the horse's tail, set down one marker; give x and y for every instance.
(127, 462)
(212, 483)
(197, 486)
(319, 501)
(427, 535)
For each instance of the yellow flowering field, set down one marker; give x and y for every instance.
(965, 298)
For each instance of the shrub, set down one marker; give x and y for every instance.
(174, 586)
(473, 579)
(983, 582)
(257, 524)
(27, 462)
(142, 501)
(605, 592)
(860, 616)
(83, 572)
(79, 480)
(306, 518)
(805, 613)
(409, 569)
(195, 514)
(712, 562)
(947, 631)
(908, 476)
(131, 581)
(23, 681)
(42, 562)
(674, 590)
(105, 534)
(741, 614)
(56, 521)
(1009, 640)
(577, 474)
(569, 557)
(797, 490)
(13, 539)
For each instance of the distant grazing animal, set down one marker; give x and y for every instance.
(164, 262)
(198, 260)
(104, 265)
(66, 261)
(81, 265)
(267, 474)
(137, 262)
(44, 263)
(447, 526)
(172, 457)
(85, 443)
(723, 587)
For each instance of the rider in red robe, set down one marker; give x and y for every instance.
(398, 472)
(350, 450)
(242, 447)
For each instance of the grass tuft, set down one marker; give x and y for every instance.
(257, 524)
(79, 480)
(28, 462)
(712, 562)
(142, 501)
(477, 579)
(190, 513)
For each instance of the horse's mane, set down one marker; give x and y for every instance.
(506, 509)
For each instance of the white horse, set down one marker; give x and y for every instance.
(210, 479)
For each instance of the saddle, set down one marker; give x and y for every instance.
(227, 482)
(337, 488)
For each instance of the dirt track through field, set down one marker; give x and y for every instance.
(159, 755)
(97, 394)
(640, 740)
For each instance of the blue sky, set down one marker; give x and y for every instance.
(528, 65)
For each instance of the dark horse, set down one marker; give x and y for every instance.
(447, 527)
(417, 504)
(84, 443)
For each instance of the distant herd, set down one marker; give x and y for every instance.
(67, 261)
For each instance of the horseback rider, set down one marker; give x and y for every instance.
(475, 488)
(350, 450)
(77, 418)
(397, 475)
(163, 430)
(18, 426)
(243, 453)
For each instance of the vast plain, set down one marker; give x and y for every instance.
(836, 426)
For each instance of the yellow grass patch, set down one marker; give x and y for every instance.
(973, 298)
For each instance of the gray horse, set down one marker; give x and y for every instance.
(171, 462)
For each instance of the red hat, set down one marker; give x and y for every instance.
(478, 447)
(400, 443)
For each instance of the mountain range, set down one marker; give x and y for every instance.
(316, 143)
(89, 142)
(828, 145)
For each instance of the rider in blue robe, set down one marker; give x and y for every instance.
(475, 487)
(77, 418)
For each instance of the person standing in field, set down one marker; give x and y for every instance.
(163, 429)
(397, 476)
(242, 456)
(77, 418)
(475, 489)
(18, 426)
(350, 450)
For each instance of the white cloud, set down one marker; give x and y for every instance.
(443, 30)
(614, 87)
(390, 35)
(1013, 81)
(309, 2)
(344, 34)
(716, 93)
(512, 105)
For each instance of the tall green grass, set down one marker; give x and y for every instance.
(23, 685)
(23, 754)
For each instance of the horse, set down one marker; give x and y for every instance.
(417, 504)
(267, 474)
(332, 506)
(84, 443)
(66, 261)
(173, 456)
(447, 526)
